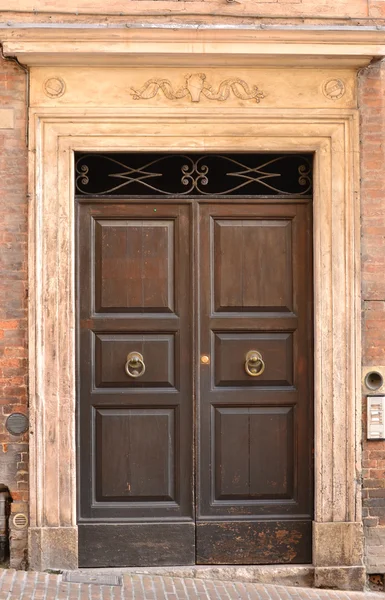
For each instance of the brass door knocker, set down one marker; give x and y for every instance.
(254, 363)
(135, 366)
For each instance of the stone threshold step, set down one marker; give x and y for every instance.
(337, 577)
(288, 575)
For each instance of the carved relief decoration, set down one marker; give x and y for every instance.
(334, 89)
(54, 87)
(196, 85)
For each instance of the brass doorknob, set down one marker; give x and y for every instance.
(254, 364)
(135, 366)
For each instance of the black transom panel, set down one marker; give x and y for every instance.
(196, 175)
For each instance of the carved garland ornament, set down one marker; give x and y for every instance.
(196, 85)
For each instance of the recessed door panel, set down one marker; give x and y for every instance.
(112, 350)
(134, 265)
(128, 467)
(230, 352)
(254, 453)
(253, 265)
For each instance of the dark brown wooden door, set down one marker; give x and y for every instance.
(135, 433)
(254, 493)
(247, 287)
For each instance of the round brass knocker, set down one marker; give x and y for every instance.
(135, 366)
(254, 364)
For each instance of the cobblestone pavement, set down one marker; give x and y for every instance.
(21, 585)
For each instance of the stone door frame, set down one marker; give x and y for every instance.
(55, 133)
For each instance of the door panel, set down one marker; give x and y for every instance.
(253, 542)
(135, 433)
(231, 348)
(142, 471)
(159, 351)
(243, 439)
(263, 246)
(149, 544)
(255, 274)
(134, 265)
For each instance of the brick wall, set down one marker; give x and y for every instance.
(372, 105)
(13, 294)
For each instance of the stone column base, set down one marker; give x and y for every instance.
(338, 553)
(338, 544)
(53, 548)
(340, 578)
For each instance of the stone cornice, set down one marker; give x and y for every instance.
(191, 45)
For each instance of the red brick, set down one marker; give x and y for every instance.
(13, 279)
(377, 474)
(372, 136)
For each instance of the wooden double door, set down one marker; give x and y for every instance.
(195, 406)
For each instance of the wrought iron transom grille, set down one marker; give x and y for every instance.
(192, 174)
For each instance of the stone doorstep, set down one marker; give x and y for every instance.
(342, 578)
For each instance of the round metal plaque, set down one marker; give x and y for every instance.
(17, 423)
(20, 521)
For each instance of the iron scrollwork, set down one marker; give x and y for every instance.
(157, 174)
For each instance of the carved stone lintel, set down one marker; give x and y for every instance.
(195, 86)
